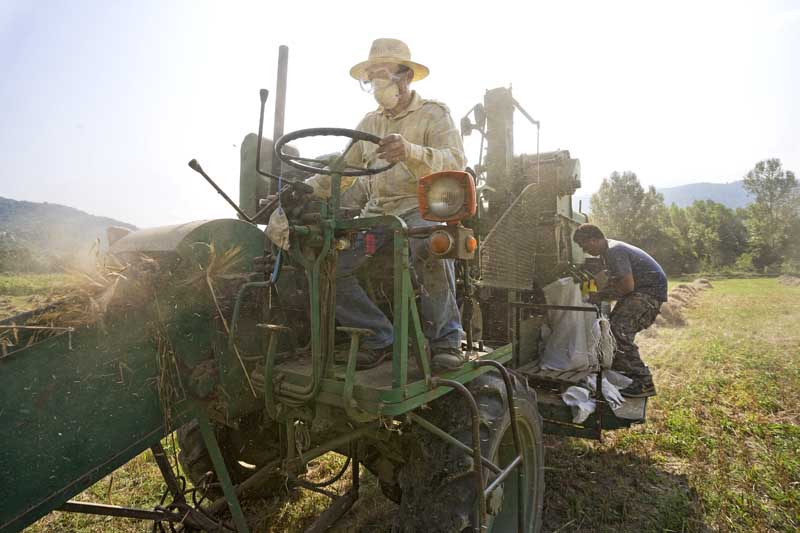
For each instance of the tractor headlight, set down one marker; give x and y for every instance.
(446, 196)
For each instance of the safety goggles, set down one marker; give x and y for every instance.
(377, 78)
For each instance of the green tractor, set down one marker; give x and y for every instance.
(211, 329)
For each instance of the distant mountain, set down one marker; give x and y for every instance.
(731, 195)
(45, 236)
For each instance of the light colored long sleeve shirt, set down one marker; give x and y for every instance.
(435, 146)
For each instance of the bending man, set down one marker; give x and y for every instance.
(638, 284)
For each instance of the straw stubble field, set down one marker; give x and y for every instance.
(720, 450)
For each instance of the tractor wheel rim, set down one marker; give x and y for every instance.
(506, 519)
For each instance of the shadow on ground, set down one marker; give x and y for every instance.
(591, 487)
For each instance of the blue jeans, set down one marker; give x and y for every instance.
(441, 319)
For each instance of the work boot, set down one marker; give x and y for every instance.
(639, 389)
(367, 358)
(448, 358)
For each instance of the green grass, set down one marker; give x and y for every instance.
(720, 450)
(137, 484)
(22, 292)
(30, 284)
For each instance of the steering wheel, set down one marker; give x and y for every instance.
(302, 162)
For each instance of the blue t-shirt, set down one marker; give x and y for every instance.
(648, 276)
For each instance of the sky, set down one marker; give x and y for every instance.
(103, 103)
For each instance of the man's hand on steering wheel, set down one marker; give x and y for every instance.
(319, 166)
(394, 148)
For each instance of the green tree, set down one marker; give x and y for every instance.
(625, 210)
(791, 258)
(715, 234)
(677, 227)
(628, 212)
(772, 217)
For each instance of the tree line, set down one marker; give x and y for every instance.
(707, 236)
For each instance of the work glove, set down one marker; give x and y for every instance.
(578, 399)
(610, 392)
(612, 395)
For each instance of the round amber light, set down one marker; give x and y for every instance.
(441, 242)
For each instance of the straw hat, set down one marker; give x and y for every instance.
(389, 51)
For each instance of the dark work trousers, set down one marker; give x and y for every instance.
(632, 314)
(437, 286)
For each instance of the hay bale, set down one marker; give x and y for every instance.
(685, 287)
(672, 315)
(682, 298)
(790, 281)
(684, 290)
(702, 284)
(684, 294)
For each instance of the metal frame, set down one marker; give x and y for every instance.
(596, 430)
(257, 479)
(232, 492)
(223, 475)
(341, 504)
(361, 403)
(177, 512)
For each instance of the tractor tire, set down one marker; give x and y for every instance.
(437, 482)
(391, 490)
(196, 461)
(385, 470)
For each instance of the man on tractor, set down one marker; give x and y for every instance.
(420, 137)
(638, 284)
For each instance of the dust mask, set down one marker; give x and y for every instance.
(387, 93)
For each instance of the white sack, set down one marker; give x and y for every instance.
(575, 340)
(569, 342)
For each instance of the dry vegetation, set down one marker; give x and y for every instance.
(720, 450)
